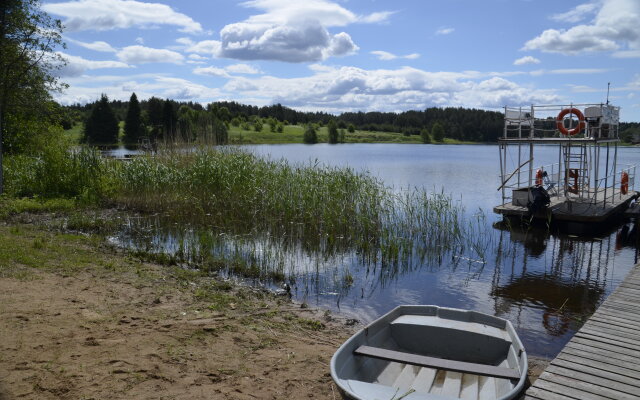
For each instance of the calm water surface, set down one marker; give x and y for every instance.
(545, 283)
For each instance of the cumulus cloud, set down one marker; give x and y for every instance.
(615, 27)
(444, 31)
(142, 55)
(76, 66)
(386, 56)
(103, 15)
(292, 31)
(298, 41)
(95, 46)
(526, 60)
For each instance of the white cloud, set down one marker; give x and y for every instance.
(95, 46)
(242, 69)
(144, 85)
(350, 89)
(211, 71)
(197, 57)
(103, 15)
(526, 60)
(376, 17)
(142, 55)
(327, 13)
(208, 47)
(570, 71)
(76, 66)
(299, 41)
(292, 31)
(386, 56)
(140, 40)
(444, 31)
(226, 71)
(614, 27)
(576, 14)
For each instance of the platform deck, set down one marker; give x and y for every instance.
(602, 360)
(577, 209)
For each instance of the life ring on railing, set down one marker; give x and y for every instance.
(539, 177)
(624, 183)
(560, 121)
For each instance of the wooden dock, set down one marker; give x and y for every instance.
(602, 360)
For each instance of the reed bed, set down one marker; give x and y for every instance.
(266, 217)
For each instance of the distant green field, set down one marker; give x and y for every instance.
(292, 134)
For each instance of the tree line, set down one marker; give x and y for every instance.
(167, 118)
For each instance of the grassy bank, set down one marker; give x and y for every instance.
(81, 320)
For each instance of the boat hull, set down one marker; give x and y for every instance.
(429, 352)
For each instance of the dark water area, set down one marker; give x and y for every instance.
(545, 282)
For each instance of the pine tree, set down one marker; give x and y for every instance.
(102, 125)
(133, 129)
(332, 128)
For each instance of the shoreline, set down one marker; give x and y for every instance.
(81, 319)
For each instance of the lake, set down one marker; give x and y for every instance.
(545, 283)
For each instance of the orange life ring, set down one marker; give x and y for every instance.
(624, 183)
(539, 177)
(560, 121)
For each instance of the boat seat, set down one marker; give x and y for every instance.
(439, 363)
(377, 391)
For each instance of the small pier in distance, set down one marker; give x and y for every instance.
(602, 360)
(560, 163)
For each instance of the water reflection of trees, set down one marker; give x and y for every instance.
(567, 281)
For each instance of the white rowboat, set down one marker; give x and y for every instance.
(419, 352)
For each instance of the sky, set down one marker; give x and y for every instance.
(354, 55)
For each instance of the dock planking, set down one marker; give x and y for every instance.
(602, 360)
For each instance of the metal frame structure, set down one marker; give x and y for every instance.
(586, 170)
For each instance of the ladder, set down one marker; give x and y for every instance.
(576, 177)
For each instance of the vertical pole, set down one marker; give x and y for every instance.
(531, 164)
(615, 166)
(606, 178)
(559, 168)
(500, 151)
(520, 145)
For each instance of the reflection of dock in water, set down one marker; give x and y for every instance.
(602, 360)
(561, 299)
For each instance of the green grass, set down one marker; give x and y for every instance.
(294, 133)
(75, 134)
(24, 247)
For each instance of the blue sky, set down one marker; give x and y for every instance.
(354, 55)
